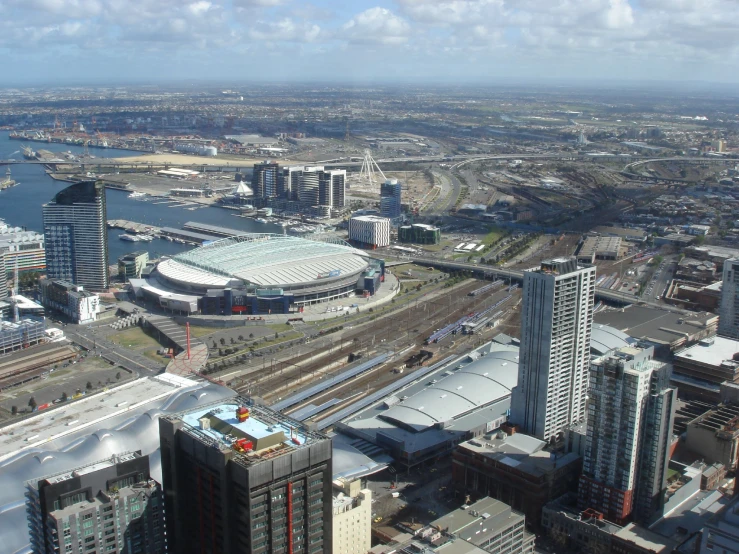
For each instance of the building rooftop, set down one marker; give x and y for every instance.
(646, 539)
(481, 519)
(604, 338)
(620, 231)
(654, 325)
(254, 433)
(70, 417)
(523, 452)
(714, 351)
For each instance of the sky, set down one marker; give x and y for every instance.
(368, 41)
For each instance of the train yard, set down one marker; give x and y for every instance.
(326, 374)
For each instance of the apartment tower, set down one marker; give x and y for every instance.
(108, 507)
(728, 323)
(390, 199)
(76, 236)
(556, 322)
(243, 478)
(264, 180)
(629, 430)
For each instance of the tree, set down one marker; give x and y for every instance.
(222, 341)
(241, 338)
(32, 402)
(233, 341)
(276, 335)
(64, 397)
(14, 410)
(118, 376)
(215, 345)
(251, 335)
(88, 386)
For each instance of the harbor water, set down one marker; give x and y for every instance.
(21, 205)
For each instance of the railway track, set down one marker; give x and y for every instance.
(280, 378)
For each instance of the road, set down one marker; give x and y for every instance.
(662, 277)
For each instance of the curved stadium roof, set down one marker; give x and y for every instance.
(264, 260)
(477, 384)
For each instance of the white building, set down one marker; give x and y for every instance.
(352, 519)
(628, 434)
(370, 230)
(72, 300)
(728, 323)
(556, 322)
(721, 534)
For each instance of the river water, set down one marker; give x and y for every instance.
(21, 205)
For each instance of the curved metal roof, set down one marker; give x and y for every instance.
(484, 381)
(264, 259)
(138, 432)
(604, 338)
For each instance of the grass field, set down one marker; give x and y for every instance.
(492, 236)
(196, 331)
(134, 338)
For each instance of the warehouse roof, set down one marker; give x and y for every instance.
(264, 259)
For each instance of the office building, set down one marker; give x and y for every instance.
(629, 432)
(22, 249)
(369, 231)
(331, 191)
(309, 184)
(20, 335)
(70, 299)
(131, 265)
(715, 436)
(108, 507)
(76, 236)
(264, 180)
(289, 182)
(419, 233)
(728, 323)
(516, 469)
(352, 518)
(556, 323)
(488, 524)
(700, 370)
(243, 478)
(3, 279)
(721, 533)
(390, 199)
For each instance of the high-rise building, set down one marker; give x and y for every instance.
(556, 321)
(76, 236)
(352, 518)
(629, 431)
(265, 179)
(289, 182)
(390, 198)
(728, 323)
(337, 182)
(309, 185)
(243, 478)
(3, 278)
(108, 507)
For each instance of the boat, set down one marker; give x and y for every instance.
(129, 238)
(8, 182)
(28, 152)
(137, 194)
(145, 238)
(261, 220)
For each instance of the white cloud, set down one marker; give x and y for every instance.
(285, 30)
(378, 25)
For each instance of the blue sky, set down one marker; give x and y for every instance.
(453, 41)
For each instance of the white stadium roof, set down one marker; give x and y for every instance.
(265, 260)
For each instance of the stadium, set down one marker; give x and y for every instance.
(265, 273)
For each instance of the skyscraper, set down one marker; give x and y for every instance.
(243, 478)
(309, 185)
(265, 179)
(630, 415)
(556, 321)
(390, 198)
(76, 236)
(337, 178)
(111, 506)
(728, 323)
(289, 182)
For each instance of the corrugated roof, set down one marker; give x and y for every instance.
(484, 381)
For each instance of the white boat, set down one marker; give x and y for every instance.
(261, 220)
(145, 238)
(129, 238)
(137, 194)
